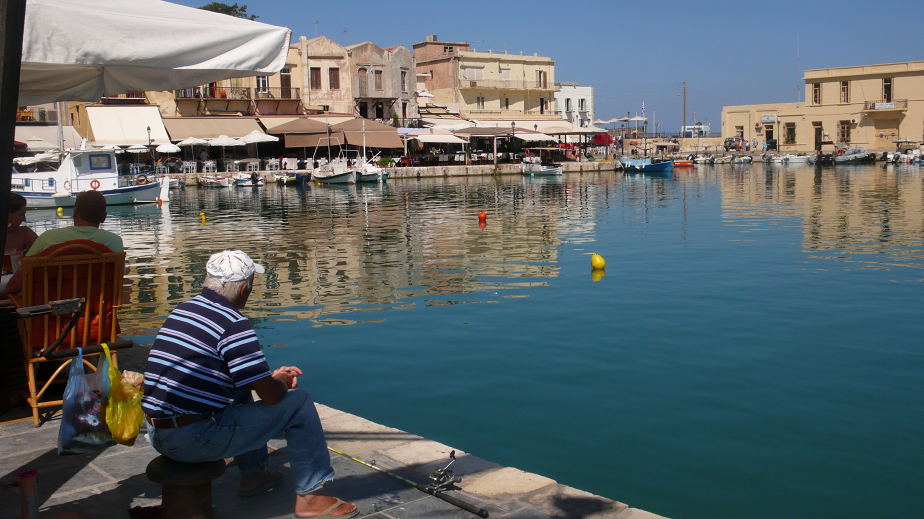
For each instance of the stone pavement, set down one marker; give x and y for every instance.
(106, 484)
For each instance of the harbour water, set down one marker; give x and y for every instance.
(753, 349)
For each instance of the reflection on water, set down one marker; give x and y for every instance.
(749, 321)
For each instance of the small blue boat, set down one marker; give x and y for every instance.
(646, 165)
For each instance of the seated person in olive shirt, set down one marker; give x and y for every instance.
(89, 213)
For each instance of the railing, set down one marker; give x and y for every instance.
(226, 93)
(127, 96)
(531, 111)
(505, 84)
(278, 93)
(898, 104)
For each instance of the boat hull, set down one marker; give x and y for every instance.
(147, 193)
(541, 169)
(347, 177)
(645, 165)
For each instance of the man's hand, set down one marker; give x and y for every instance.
(273, 388)
(288, 375)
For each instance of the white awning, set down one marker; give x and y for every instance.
(82, 50)
(125, 125)
(181, 128)
(49, 134)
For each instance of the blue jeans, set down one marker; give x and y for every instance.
(241, 431)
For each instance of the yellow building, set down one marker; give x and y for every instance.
(866, 105)
(487, 85)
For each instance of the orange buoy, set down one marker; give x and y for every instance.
(482, 216)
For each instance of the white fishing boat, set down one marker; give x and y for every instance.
(86, 170)
(534, 166)
(213, 181)
(337, 171)
(790, 159)
(243, 179)
(369, 172)
(176, 183)
(742, 159)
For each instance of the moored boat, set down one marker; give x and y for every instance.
(85, 170)
(534, 166)
(645, 165)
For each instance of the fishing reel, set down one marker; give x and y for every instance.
(442, 478)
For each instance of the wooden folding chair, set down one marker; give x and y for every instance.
(51, 329)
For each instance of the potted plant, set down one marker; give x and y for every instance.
(386, 162)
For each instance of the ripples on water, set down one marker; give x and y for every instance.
(753, 349)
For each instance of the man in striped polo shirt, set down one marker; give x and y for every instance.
(204, 363)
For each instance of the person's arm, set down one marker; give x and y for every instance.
(14, 286)
(273, 388)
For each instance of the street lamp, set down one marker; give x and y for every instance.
(149, 135)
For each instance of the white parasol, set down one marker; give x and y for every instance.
(224, 140)
(192, 141)
(138, 148)
(167, 148)
(258, 136)
(143, 45)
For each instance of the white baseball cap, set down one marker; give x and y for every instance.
(232, 265)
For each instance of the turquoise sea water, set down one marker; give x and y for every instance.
(753, 349)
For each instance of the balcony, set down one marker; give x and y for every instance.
(230, 93)
(898, 105)
(126, 98)
(278, 93)
(504, 84)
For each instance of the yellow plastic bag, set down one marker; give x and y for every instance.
(123, 414)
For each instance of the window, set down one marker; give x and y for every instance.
(262, 83)
(315, 73)
(378, 80)
(816, 93)
(739, 132)
(568, 104)
(404, 81)
(333, 75)
(505, 74)
(582, 105)
(479, 102)
(887, 89)
(506, 103)
(789, 133)
(845, 91)
(473, 73)
(100, 162)
(843, 131)
(541, 105)
(448, 49)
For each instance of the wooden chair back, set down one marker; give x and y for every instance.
(78, 268)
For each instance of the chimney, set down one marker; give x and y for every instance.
(431, 37)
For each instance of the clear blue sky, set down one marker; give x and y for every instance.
(729, 53)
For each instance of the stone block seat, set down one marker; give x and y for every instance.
(187, 487)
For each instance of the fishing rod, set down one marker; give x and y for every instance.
(442, 477)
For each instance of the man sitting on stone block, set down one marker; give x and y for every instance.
(204, 363)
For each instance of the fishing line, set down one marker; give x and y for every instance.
(435, 492)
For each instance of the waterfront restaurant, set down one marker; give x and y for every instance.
(865, 105)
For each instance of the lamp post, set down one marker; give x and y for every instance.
(154, 157)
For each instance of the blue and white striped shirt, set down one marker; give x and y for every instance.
(204, 351)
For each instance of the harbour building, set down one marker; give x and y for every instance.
(865, 105)
(488, 87)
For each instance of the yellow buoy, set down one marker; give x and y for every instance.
(597, 274)
(597, 261)
(60, 211)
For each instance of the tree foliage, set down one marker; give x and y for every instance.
(230, 10)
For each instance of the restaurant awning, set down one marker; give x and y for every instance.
(359, 132)
(300, 125)
(312, 140)
(271, 122)
(181, 128)
(435, 135)
(50, 134)
(125, 125)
